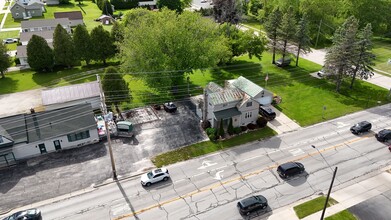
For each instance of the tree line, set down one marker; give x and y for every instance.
(70, 49)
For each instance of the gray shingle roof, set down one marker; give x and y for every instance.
(44, 23)
(21, 51)
(35, 5)
(59, 122)
(14, 128)
(26, 36)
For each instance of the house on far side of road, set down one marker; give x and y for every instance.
(27, 9)
(52, 2)
(28, 135)
(239, 99)
(75, 17)
(45, 25)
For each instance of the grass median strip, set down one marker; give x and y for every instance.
(344, 215)
(312, 206)
(206, 147)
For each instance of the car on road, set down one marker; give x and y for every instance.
(29, 214)
(290, 169)
(361, 127)
(155, 176)
(170, 107)
(283, 63)
(384, 135)
(10, 40)
(251, 204)
(267, 112)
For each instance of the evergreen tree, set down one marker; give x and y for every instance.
(82, 42)
(363, 59)
(106, 8)
(103, 44)
(175, 5)
(230, 127)
(302, 38)
(115, 88)
(39, 54)
(272, 26)
(287, 29)
(63, 47)
(99, 3)
(117, 33)
(340, 56)
(221, 129)
(5, 59)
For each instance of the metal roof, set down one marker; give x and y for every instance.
(213, 87)
(247, 86)
(227, 113)
(70, 93)
(225, 96)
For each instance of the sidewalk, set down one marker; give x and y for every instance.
(346, 198)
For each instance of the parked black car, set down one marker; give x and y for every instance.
(267, 112)
(170, 107)
(30, 214)
(283, 63)
(290, 169)
(384, 135)
(251, 204)
(361, 127)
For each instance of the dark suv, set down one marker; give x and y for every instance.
(361, 127)
(384, 135)
(290, 169)
(251, 204)
(267, 112)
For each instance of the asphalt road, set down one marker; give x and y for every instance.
(209, 187)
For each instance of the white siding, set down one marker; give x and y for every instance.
(23, 151)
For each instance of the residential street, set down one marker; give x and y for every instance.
(208, 187)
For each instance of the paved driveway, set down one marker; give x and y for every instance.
(376, 208)
(65, 172)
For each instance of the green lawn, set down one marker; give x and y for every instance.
(382, 50)
(344, 215)
(9, 34)
(252, 22)
(312, 206)
(12, 46)
(206, 147)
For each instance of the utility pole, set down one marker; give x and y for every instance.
(328, 194)
(104, 110)
(317, 36)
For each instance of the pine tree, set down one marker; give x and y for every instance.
(82, 42)
(287, 29)
(303, 39)
(221, 129)
(230, 127)
(5, 60)
(107, 8)
(271, 26)
(63, 47)
(39, 54)
(103, 44)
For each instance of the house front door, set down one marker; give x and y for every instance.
(57, 144)
(42, 148)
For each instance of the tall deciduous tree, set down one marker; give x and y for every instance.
(107, 8)
(115, 88)
(363, 59)
(227, 11)
(164, 46)
(287, 29)
(63, 47)
(175, 5)
(272, 26)
(39, 54)
(103, 44)
(5, 59)
(339, 58)
(82, 42)
(302, 38)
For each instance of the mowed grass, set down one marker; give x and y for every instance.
(312, 206)
(9, 34)
(382, 50)
(252, 22)
(344, 215)
(206, 147)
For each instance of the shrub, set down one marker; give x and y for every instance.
(237, 130)
(244, 128)
(230, 128)
(17, 61)
(210, 131)
(212, 137)
(251, 126)
(261, 122)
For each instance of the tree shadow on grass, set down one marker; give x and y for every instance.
(247, 69)
(7, 85)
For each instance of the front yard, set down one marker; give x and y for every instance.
(382, 50)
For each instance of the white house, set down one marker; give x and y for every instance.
(29, 135)
(239, 100)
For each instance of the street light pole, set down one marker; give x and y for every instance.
(328, 194)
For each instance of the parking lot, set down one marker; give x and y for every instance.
(60, 173)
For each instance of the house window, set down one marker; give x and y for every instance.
(248, 115)
(249, 104)
(78, 136)
(17, 7)
(16, 14)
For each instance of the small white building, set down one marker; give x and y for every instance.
(239, 99)
(29, 135)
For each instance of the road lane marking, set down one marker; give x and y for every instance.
(206, 164)
(254, 173)
(218, 175)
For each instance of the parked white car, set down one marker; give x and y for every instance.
(155, 176)
(10, 40)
